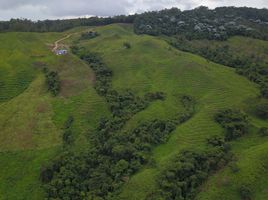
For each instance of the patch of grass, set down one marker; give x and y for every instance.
(26, 122)
(19, 173)
(19, 54)
(86, 108)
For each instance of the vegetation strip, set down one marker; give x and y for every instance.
(52, 81)
(188, 170)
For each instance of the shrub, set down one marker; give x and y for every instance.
(127, 45)
(188, 103)
(234, 168)
(89, 35)
(264, 91)
(53, 82)
(261, 110)
(69, 122)
(245, 192)
(263, 131)
(234, 122)
(46, 174)
(155, 96)
(67, 137)
(216, 141)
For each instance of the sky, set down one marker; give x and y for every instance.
(63, 9)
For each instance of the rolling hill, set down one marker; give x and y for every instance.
(32, 120)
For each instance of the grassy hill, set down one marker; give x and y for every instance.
(19, 52)
(152, 65)
(31, 120)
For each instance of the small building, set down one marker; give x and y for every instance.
(61, 52)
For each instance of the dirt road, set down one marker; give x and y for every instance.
(56, 44)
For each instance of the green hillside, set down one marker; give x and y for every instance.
(152, 65)
(32, 120)
(19, 55)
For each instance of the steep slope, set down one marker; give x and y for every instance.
(249, 169)
(31, 119)
(19, 54)
(152, 65)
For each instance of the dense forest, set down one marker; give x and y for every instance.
(218, 24)
(26, 25)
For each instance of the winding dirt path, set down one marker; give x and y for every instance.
(56, 44)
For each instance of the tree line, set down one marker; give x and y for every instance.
(203, 23)
(252, 67)
(25, 25)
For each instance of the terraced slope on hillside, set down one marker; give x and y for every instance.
(31, 120)
(19, 52)
(152, 65)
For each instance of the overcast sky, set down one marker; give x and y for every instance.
(58, 9)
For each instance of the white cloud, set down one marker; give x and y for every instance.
(237, 3)
(51, 9)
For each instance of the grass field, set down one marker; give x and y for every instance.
(19, 173)
(20, 55)
(31, 120)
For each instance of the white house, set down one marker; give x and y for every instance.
(61, 52)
